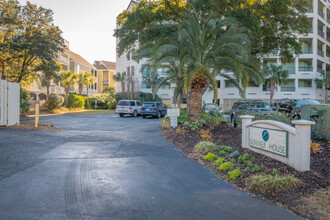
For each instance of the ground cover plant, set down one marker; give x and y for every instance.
(289, 185)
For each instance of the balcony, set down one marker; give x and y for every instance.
(306, 68)
(288, 89)
(328, 37)
(291, 70)
(320, 32)
(306, 50)
(320, 70)
(105, 81)
(321, 13)
(320, 52)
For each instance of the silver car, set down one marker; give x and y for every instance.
(131, 107)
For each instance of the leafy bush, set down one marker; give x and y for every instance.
(227, 149)
(225, 166)
(315, 148)
(24, 101)
(205, 135)
(54, 102)
(195, 125)
(216, 149)
(103, 101)
(233, 160)
(253, 159)
(241, 159)
(219, 161)
(204, 146)
(213, 119)
(222, 153)
(234, 174)
(276, 116)
(210, 157)
(256, 169)
(250, 165)
(184, 116)
(76, 101)
(272, 184)
(245, 156)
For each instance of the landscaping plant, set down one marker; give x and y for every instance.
(219, 161)
(272, 184)
(210, 157)
(315, 147)
(54, 102)
(225, 166)
(204, 146)
(205, 135)
(234, 174)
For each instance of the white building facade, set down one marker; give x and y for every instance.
(303, 69)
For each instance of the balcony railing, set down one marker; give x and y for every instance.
(288, 89)
(320, 52)
(320, 32)
(291, 70)
(328, 37)
(306, 68)
(105, 81)
(321, 13)
(307, 51)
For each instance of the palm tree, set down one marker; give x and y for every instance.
(206, 48)
(121, 77)
(277, 75)
(89, 80)
(325, 80)
(151, 77)
(49, 71)
(67, 79)
(84, 79)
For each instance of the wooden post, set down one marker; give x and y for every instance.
(36, 115)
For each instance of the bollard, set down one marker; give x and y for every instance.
(36, 116)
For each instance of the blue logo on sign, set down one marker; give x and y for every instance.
(265, 135)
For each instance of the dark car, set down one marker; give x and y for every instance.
(242, 107)
(292, 106)
(211, 108)
(154, 109)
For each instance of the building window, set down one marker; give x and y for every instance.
(288, 86)
(95, 86)
(305, 83)
(146, 85)
(229, 84)
(218, 84)
(128, 71)
(266, 85)
(132, 70)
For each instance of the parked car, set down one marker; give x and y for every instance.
(242, 106)
(212, 108)
(131, 107)
(292, 106)
(154, 109)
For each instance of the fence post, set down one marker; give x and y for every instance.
(246, 119)
(302, 144)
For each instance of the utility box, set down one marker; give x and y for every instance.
(9, 103)
(320, 114)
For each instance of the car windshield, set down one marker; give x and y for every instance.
(149, 105)
(298, 103)
(212, 107)
(123, 103)
(255, 105)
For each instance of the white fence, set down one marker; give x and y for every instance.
(290, 145)
(9, 103)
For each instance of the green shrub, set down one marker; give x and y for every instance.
(256, 169)
(216, 149)
(274, 172)
(245, 157)
(233, 160)
(229, 149)
(210, 157)
(222, 153)
(184, 116)
(219, 161)
(213, 119)
(272, 184)
(102, 101)
(24, 101)
(234, 174)
(225, 166)
(276, 116)
(54, 102)
(223, 147)
(204, 146)
(241, 159)
(253, 159)
(195, 125)
(76, 101)
(250, 165)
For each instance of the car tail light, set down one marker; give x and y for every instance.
(142, 108)
(130, 107)
(154, 108)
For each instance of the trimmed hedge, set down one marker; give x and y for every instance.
(54, 102)
(76, 101)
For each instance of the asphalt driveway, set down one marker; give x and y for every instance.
(106, 167)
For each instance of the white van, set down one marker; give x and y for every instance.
(131, 107)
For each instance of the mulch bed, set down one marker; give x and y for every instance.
(41, 127)
(225, 134)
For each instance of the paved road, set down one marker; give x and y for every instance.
(106, 167)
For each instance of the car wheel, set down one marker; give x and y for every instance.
(135, 113)
(159, 115)
(121, 114)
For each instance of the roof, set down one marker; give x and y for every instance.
(109, 64)
(100, 67)
(132, 2)
(79, 59)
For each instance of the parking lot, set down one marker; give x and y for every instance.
(107, 167)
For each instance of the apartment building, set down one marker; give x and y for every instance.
(303, 69)
(69, 60)
(105, 72)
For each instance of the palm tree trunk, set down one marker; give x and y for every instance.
(326, 96)
(197, 85)
(66, 95)
(80, 89)
(272, 90)
(87, 102)
(47, 87)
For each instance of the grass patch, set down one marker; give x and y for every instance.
(272, 184)
(64, 110)
(204, 146)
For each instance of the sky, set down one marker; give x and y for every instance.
(88, 25)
